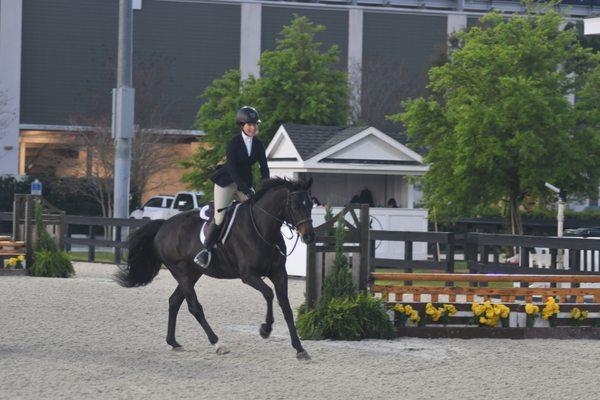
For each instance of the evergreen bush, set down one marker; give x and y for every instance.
(48, 260)
(341, 313)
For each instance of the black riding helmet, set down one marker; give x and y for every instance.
(247, 115)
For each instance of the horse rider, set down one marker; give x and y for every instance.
(234, 179)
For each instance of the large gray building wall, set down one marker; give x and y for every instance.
(398, 50)
(69, 55)
(69, 58)
(70, 49)
(194, 43)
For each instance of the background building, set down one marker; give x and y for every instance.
(58, 59)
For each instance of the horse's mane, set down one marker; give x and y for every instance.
(277, 182)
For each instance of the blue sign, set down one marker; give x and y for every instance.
(36, 187)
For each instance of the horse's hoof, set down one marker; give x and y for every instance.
(222, 350)
(302, 355)
(174, 344)
(265, 331)
(177, 348)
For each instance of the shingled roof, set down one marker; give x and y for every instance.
(311, 140)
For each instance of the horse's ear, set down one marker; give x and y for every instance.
(308, 183)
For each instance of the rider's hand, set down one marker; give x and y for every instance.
(249, 193)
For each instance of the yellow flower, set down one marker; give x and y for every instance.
(408, 309)
(21, 258)
(399, 308)
(430, 309)
(450, 309)
(414, 316)
(575, 313)
(584, 314)
(531, 309)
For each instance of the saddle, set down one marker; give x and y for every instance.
(207, 214)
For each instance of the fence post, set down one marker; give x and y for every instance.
(470, 254)
(365, 249)
(28, 232)
(311, 289)
(16, 219)
(450, 257)
(91, 247)
(63, 231)
(408, 256)
(118, 247)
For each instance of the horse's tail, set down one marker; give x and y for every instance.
(143, 262)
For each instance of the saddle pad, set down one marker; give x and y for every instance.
(229, 219)
(207, 212)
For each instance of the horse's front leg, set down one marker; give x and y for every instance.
(257, 283)
(280, 281)
(186, 280)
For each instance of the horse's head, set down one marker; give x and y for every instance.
(298, 211)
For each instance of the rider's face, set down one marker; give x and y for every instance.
(250, 129)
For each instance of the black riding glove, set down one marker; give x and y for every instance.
(249, 193)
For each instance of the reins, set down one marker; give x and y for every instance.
(283, 222)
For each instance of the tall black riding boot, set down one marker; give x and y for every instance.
(203, 258)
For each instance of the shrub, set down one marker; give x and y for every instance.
(350, 318)
(52, 264)
(44, 240)
(48, 261)
(338, 282)
(341, 313)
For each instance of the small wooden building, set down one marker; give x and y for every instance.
(344, 162)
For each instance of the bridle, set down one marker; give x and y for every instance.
(294, 225)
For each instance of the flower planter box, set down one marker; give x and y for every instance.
(561, 332)
(13, 272)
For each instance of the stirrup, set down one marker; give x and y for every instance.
(199, 258)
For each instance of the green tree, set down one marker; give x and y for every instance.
(498, 123)
(299, 84)
(338, 282)
(216, 117)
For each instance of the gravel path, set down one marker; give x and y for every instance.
(86, 337)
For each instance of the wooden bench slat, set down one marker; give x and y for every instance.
(11, 244)
(487, 291)
(402, 276)
(11, 253)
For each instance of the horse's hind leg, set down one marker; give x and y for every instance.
(187, 287)
(174, 304)
(261, 286)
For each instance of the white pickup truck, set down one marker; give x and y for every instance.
(164, 207)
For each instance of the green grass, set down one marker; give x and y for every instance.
(459, 267)
(101, 256)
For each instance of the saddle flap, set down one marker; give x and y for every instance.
(230, 215)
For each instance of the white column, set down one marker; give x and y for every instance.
(410, 201)
(251, 26)
(455, 22)
(355, 50)
(11, 20)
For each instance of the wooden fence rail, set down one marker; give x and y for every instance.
(480, 247)
(118, 243)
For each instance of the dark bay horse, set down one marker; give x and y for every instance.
(253, 249)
